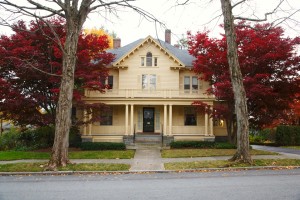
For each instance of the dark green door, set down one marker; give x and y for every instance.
(148, 120)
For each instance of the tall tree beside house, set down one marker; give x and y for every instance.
(27, 87)
(75, 13)
(269, 67)
(31, 68)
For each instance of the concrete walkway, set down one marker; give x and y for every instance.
(287, 152)
(147, 160)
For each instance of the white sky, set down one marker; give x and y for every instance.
(199, 15)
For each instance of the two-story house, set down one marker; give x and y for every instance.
(152, 88)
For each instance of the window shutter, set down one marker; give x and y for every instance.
(139, 82)
(157, 120)
(140, 119)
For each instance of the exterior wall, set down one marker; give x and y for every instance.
(168, 99)
(132, 77)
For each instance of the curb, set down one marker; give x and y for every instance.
(202, 170)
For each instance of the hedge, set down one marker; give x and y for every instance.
(287, 135)
(102, 146)
(201, 145)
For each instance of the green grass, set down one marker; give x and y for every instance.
(187, 153)
(39, 167)
(226, 164)
(291, 147)
(20, 155)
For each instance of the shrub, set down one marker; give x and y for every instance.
(31, 139)
(74, 137)
(288, 135)
(9, 139)
(262, 136)
(201, 145)
(102, 146)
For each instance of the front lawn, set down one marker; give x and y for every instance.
(227, 164)
(39, 167)
(187, 153)
(20, 155)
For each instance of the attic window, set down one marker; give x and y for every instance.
(149, 59)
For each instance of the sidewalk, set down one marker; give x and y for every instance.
(149, 159)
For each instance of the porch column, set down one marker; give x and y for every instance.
(84, 119)
(165, 120)
(131, 120)
(170, 119)
(126, 119)
(90, 125)
(206, 124)
(211, 128)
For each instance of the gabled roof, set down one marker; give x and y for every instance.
(181, 56)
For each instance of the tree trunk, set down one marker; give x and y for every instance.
(59, 155)
(242, 153)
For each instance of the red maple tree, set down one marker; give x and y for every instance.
(269, 65)
(31, 67)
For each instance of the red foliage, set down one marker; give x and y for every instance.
(25, 89)
(269, 66)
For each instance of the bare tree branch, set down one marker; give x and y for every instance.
(266, 14)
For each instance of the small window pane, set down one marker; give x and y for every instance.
(152, 80)
(144, 81)
(155, 61)
(106, 117)
(110, 82)
(149, 59)
(195, 83)
(142, 61)
(187, 83)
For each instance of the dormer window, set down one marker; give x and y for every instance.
(149, 59)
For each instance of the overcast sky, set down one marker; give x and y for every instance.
(198, 15)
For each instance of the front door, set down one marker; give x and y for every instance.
(148, 120)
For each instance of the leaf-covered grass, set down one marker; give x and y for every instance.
(39, 167)
(22, 155)
(128, 154)
(187, 153)
(227, 164)
(291, 147)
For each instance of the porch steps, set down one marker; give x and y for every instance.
(144, 141)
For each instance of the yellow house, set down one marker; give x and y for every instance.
(152, 88)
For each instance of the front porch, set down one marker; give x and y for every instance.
(160, 124)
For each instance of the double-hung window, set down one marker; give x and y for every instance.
(190, 116)
(148, 81)
(106, 117)
(108, 82)
(191, 84)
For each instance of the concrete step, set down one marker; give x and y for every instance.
(148, 138)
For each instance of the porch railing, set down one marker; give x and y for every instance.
(139, 93)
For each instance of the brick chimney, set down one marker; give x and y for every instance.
(116, 43)
(168, 36)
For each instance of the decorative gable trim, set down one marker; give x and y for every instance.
(149, 39)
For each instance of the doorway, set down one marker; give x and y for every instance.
(148, 120)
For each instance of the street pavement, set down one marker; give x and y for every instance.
(233, 185)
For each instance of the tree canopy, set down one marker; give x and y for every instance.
(269, 65)
(31, 68)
